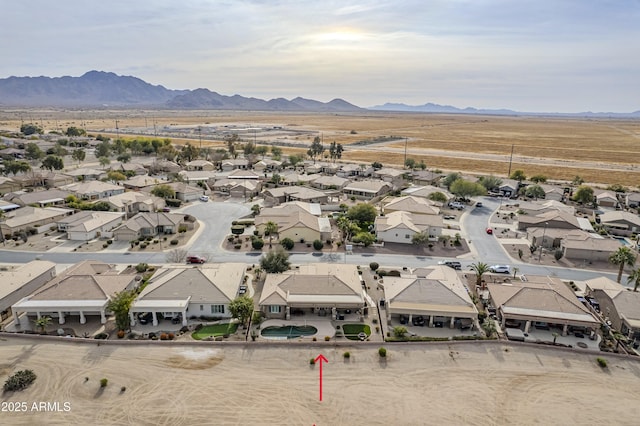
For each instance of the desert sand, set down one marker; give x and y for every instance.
(451, 384)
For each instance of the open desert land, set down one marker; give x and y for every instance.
(599, 150)
(490, 383)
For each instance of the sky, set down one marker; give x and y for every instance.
(533, 56)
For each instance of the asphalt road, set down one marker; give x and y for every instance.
(216, 221)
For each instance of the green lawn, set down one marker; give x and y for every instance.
(215, 330)
(351, 331)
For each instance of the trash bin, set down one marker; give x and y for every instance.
(382, 302)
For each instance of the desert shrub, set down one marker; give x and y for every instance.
(101, 336)
(230, 238)
(104, 382)
(558, 254)
(256, 233)
(198, 327)
(374, 266)
(120, 334)
(142, 267)
(382, 352)
(312, 361)
(149, 239)
(122, 389)
(109, 241)
(257, 243)
(327, 338)
(287, 243)
(143, 245)
(237, 229)
(237, 246)
(174, 242)
(346, 355)
(171, 336)
(383, 273)
(317, 245)
(19, 381)
(164, 336)
(394, 273)
(182, 229)
(105, 245)
(601, 362)
(314, 339)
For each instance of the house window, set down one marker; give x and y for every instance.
(202, 307)
(275, 309)
(217, 309)
(406, 236)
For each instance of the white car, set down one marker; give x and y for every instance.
(500, 269)
(456, 205)
(204, 198)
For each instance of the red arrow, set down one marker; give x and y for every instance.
(319, 359)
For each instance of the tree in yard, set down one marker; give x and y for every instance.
(399, 331)
(275, 261)
(74, 131)
(316, 149)
(52, 162)
(623, 256)
(410, 163)
(43, 322)
(450, 178)
(120, 305)
(534, 191)
(438, 197)
(103, 149)
(104, 161)
(335, 151)
(33, 152)
(167, 152)
(15, 167)
(189, 153)
(347, 227)
(241, 308)
(116, 176)
(176, 256)
(376, 165)
(538, 179)
(634, 278)
(491, 183)
(420, 239)
(577, 181)
(125, 157)
(444, 239)
(479, 269)
(231, 144)
(365, 238)
(287, 243)
(518, 175)
(362, 213)
(276, 153)
(262, 150)
(465, 189)
(276, 179)
(79, 155)
(163, 191)
(489, 327)
(584, 195)
(294, 159)
(255, 210)
(270, 228)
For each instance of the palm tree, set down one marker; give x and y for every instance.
(480, 269)
(623, 256)
(43, 322)
(634, 277)
(270, 228)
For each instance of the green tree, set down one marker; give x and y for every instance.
(15, 167)
(584, 195)
(347, 227)
(534, 191)
(410, 163)
(276, 153)
(364, 237)
(399, 331)
(622, 257)
(262, 150)
(241, 308)
(79, 155)
(30, 129)
(362, 213)
(119, 305)
(74, 131)
(420, 239)
(376, 165)
(491, 183)
(104, 161)
(465, 189)
(634, 278)
(275, 261)
(518, 175)
(231, 141)
(43, 322)
(316, 148)
(438, 197)
(189, 153)
(52, 162)
(167, 152)
(577, 180)
(287, 243)
(275, 179)
(294, 159)
(538, 179)
(33, 152)
(270, 228)
(103, 149)
(255, 209)
(124, 157)
(479, 269)
(163, 191)
(116, 176)
(450, 178)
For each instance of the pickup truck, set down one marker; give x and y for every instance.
(456, 205)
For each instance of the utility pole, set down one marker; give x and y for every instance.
(542, 243)
(404, 166)
(200, 136)
(510, 161)
(117, 131)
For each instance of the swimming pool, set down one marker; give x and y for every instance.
(622, 240)
(289, 331)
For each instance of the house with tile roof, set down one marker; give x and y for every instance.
(87, 225)
(622, 308)
(148, 225)
(294, 222)
(401, 226)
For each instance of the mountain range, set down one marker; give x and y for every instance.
(99, 89)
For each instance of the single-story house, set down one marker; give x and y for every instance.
(622, 308)
(425, 177)
(438, 295)
(275, 196)
(31, 217)
(620, 222)
(632, 200)
(164, 166)
(330, 182)
(234, 163)
(426, 191)
(411, 204)
(186, 193)
(606, 198)
(267, 164)
(392, 176)
(294, 222)
(200, 165)
(139, 182)
(539, 301)
(128, 168)
(191, 291)
(352, 170)
(551, 219)
(19, 281)
(87, 225)
(554, 192)
(367, 189)
(400, 226)
(243, 174)
(238, 188)
(86, 173)
(535, 208)
(8, 185)
(52, 197)
(601, 283)
(293, 179)
(84, 289)
(148, 225)
(509, 188)
(194, 176)
(318, 288)
(93, 190)
(588, 247)
(132, 202)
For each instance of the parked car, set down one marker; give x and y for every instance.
(242, 290)
(166, 210)
(145, 317)
(451, 264)
(204, 198)
(478, 204)
(489, 231)
(456, 205)
(195, 259)
(449, 217)
(500, 269)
